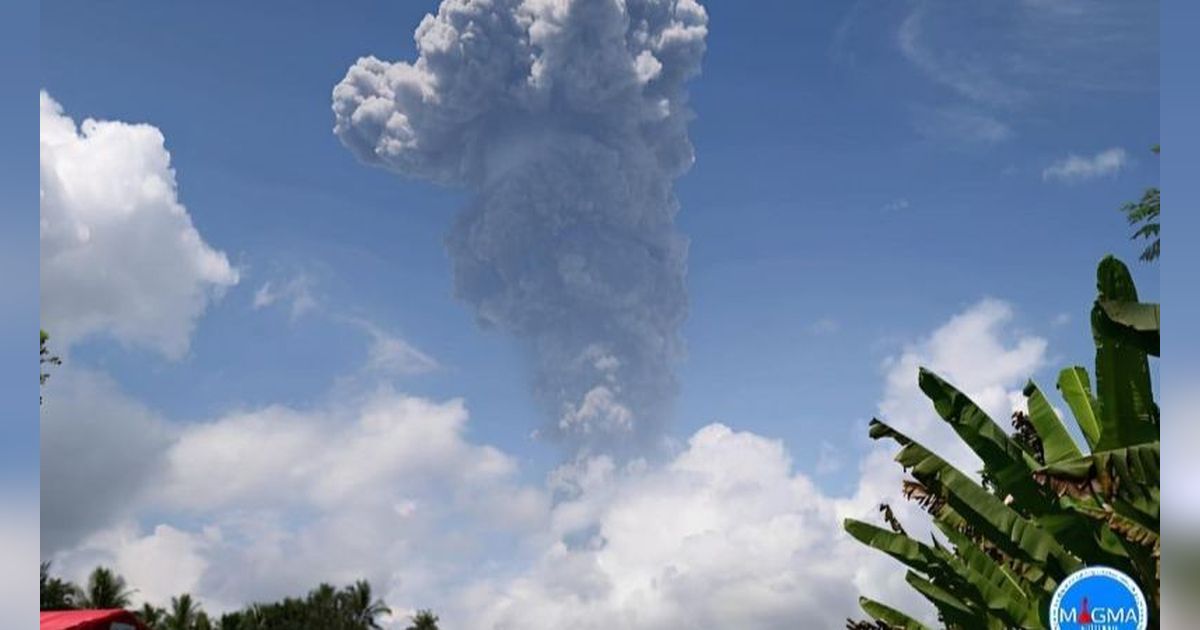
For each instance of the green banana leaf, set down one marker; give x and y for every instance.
(1128, 415)
(912, 553)
(1129, 474)
(1076, 389)
(889, 615)
(1134, 323)
(1010, 467)
(985, 512)
(1000, 591)
(1057, 444)
(952, 609)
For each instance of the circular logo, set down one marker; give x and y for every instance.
(1098, 598)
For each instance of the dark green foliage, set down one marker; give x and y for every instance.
(424, 620)
(105, 589)
(351, 608)
(1047, 507)
(152, 615)
(1144, 213)
(185, 614)
(362, 603)
(56, 593)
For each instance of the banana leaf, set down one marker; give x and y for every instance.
(1008, 465)
(1128, 415)
(890, 616)
(1076, 389)
(1133, 323)
(1057, 444)
(985, 512)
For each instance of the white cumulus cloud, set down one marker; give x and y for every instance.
(384, 487)
(724, 532)
(119, 253)
(728, 534)
(978, 353)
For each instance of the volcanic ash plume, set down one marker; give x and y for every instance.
(567, 119)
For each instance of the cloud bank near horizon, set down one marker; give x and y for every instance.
(568, 123)
(390, 487)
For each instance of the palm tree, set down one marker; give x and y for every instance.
(56, 593)
(363, 606)
(424, 620)
(235, 620)
(105, 589)
(184, 613)
(325, 605)
(151, 615)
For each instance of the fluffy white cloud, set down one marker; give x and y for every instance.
(119, 253)
(1077, 168)
(724, 532)
(727, 534)
(164, 563)
(977, 352)
(384, 487)
(376, 452)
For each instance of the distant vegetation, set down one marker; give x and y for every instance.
(354, 607)
(1043, 507)
(1144, 214)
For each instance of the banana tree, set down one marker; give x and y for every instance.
(1045, 505)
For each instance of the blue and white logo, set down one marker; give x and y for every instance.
(1098, 598)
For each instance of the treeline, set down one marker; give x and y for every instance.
(352, 607)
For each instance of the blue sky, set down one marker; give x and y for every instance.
(864, 172)
(805, 143)
(16, 177)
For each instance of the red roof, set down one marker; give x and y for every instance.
(89, 620)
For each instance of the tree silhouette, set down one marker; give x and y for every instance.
(362, 604)
(183, 615)
(151, 615)
(105, 589)
(353, 607)
(56, 593)
(424, 620)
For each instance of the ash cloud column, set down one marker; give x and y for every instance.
(568, 121)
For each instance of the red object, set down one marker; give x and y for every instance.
(1085, 616)
(90, 620)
